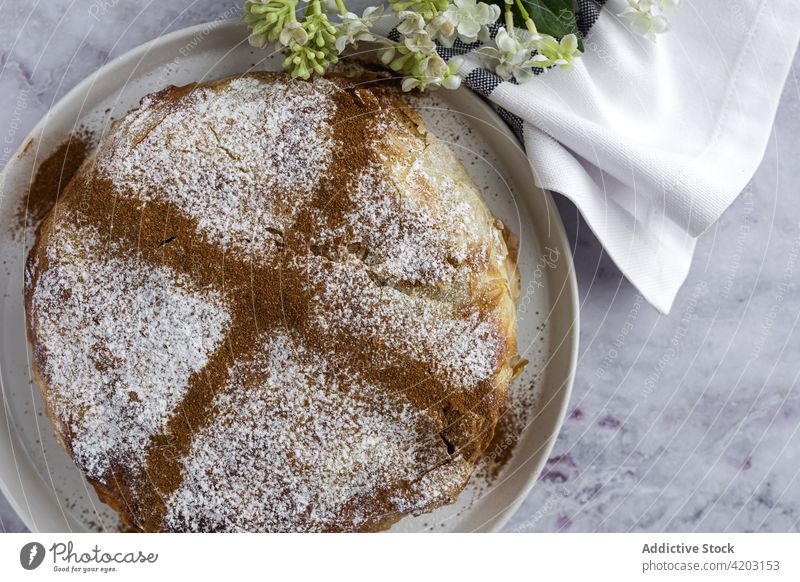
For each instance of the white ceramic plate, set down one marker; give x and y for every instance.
(37, 476)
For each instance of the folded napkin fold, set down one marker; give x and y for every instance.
(652, 142)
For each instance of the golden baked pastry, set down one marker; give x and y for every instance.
(267, 304)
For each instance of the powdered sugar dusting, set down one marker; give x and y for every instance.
(465, 347)
(300, 443)
(122, 338)
(255, 151)
(415, 212)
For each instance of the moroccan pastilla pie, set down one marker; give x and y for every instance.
(267, 304)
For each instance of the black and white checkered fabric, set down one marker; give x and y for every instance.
(586, 14)
(483, 82)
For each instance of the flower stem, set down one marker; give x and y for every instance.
(341, 7)
(509, 19)
(529, 24)
(522, 12)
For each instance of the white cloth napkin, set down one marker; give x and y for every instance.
(652, 142)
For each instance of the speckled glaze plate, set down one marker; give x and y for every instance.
(37, 476)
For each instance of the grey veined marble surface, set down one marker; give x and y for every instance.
(686, 422)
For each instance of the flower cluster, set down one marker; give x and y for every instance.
(511, 54)
(516, 53)
(313, 42)
(647, 16)
(313, 33)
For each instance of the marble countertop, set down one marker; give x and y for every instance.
(684, 422)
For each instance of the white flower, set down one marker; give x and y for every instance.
(646, 16)
(553, 52)
(420, 42)
(432, 71)
(410, 54)
(258, 40)
(354, 29)
(509, 58)
(471, 19)
(452, 79)
(293, 32)
(410, 22)
(441, 28)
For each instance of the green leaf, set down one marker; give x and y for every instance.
(553, 17)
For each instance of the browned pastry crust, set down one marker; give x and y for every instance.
(272, 305)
